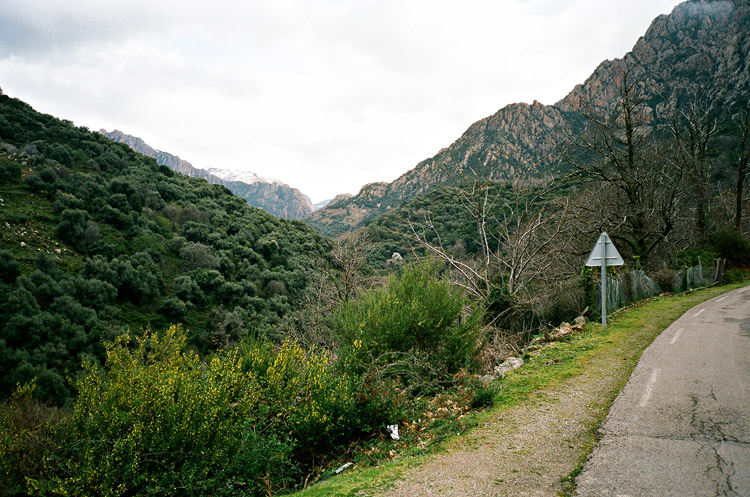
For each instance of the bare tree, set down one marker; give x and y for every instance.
(349, 259)
(742, 121)
(517, 231)
(621, 151)
(692, 125)
(338, 279)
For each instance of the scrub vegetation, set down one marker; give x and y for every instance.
(158, 336)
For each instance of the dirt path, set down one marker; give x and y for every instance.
(528, 450)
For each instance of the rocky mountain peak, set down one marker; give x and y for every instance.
(273, 196)
(704, 42)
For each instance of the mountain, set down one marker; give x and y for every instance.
(703, 43)
(271, 195)
(243, 176)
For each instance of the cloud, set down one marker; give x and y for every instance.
(325, 95)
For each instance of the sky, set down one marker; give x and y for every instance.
(324, 95)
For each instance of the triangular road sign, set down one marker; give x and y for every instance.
(605, 249)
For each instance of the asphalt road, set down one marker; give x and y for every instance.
(681, 425)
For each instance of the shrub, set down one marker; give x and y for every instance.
(197, 255)
(732, 246)
(416, 321)
(666, 279)
(26, 438)
(173, 309)
(311, 398)
(188, 290)
(72, 225)
(9, 171)
(156, 420)
(484, 395)
(10, 269)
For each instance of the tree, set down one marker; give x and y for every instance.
(517, 228)
(693, 123)
(622, 153)
(742, 121)
(10, 269)
(72, 225)
(417, 316)
(349, 259)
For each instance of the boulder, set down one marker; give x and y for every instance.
(508, 364)
(8, 147)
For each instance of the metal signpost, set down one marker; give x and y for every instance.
(604, 254)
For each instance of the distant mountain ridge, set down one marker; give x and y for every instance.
(699, 42)
(243, 176)
(271, 195)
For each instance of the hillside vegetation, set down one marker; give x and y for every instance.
(158, 336)
(97, 239)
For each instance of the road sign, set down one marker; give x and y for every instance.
(604, 250)
(604, 254)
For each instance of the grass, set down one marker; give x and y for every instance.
(610, 352)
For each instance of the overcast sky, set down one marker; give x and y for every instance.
(325, 95)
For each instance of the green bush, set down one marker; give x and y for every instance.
(10, 269)
(690, 257)
(415, 327)
(72, 225)
(173, 309)
(188, 290)
(484, 395)
(9, 171)
(26, 437)
(314, 401)
(156, 420)
(733, 247)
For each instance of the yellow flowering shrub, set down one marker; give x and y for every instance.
(306, 393)
(159, 421)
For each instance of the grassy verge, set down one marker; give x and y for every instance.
(608, 353)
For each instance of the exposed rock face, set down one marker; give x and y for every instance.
(703, 42)
(273, 196)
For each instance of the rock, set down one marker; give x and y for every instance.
(487, 379)
(578, 323)
(509, 364)
(395, 261)
(31, 150)
(342, 468)
(8, 148)
(562, 331)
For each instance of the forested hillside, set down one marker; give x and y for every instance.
(98, 239)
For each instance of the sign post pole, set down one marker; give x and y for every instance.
(604, 254)
(604, 285)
